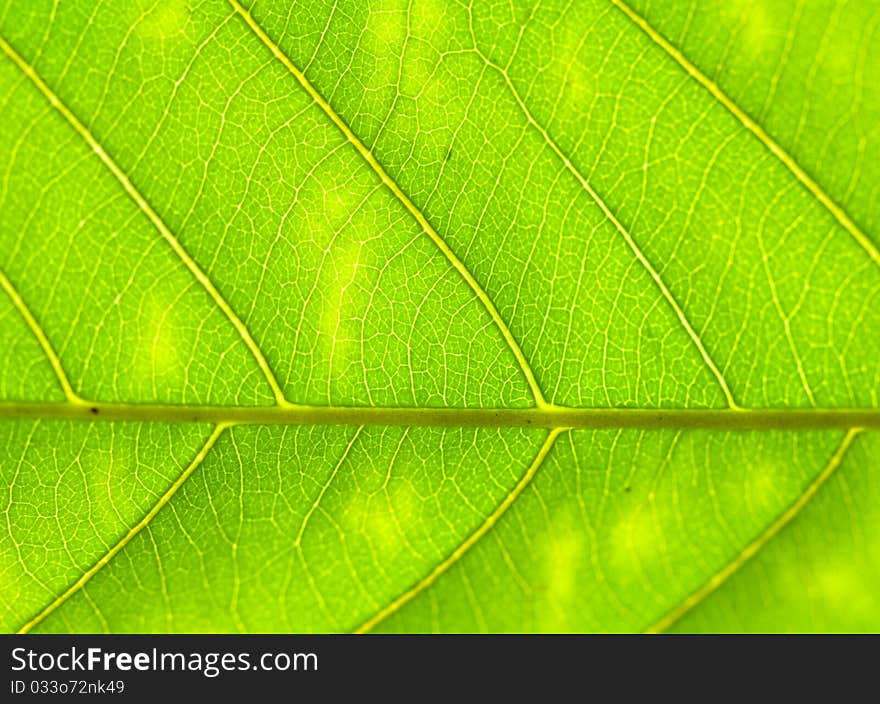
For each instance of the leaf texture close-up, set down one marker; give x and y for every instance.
(423, 316)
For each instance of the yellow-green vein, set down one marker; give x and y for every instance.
(40, 334)
(628, 238)
(130, 535)
(469, 542)
(151, 214)
(755, 546)
(391, 184)
(772, 145)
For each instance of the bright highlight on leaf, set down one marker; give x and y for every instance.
(420, 316)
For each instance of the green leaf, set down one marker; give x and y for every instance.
(415, 316)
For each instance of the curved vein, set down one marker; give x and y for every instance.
(771, 144)
(469, 542)
(128, 537)
(755, 546)
(151, 214)
(40, 334)
(634, 247)
(391, 184)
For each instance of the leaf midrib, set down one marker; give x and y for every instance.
(548, 416)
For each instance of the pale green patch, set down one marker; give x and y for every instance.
(167, 21)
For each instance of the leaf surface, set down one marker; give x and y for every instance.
(435, 316)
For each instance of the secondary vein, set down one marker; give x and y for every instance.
(392, 185)
(38, 332)
(459, 552)
(771, 144)
(151, 214)
(130, 535)
(714, 582)
(627, 236)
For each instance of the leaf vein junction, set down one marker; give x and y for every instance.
(392, 185)
(38, 332)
